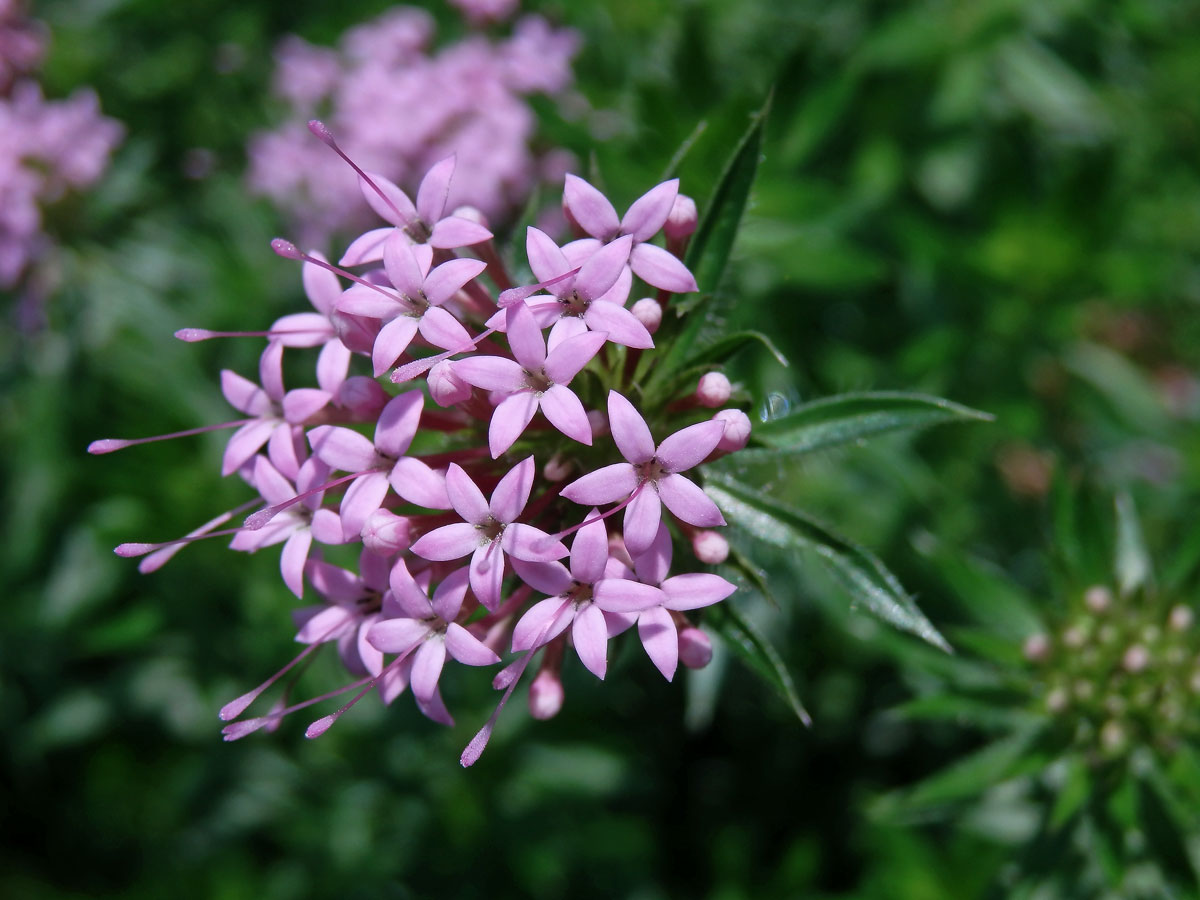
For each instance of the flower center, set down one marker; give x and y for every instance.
(537, 381)
(579, 593)
(490, 530)
(651, 471)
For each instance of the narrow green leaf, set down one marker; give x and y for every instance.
(1074, 791)
(684, 149)
(756, 652)
(847, 418)
(730, 344)
(975, 712)
(1132, 562)
(863, 574)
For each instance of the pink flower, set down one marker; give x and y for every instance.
(651, 475)
(489, 530)
(535, 380)
(644, 219)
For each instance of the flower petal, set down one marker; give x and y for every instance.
(695, 590)
(270, 484)
(468, 649)
(447, 279)
(523, 541)
(688, 502)
(245, 442)
(564, 411)
(590, 635)
(620, 596)
(363, 497)
(487, 574)
(642, 516)
(468, 501)
(653, 565)
(509, 419)
(603, 268)
(427, 667)
(565, 327)
(492, 373)
(525, 338)
(402, 267)
(656, 266)
(301, 403)
(512, 492)
(550, 578)
(621, 326)
(326, 625)
(629, 430)
(589, 550)
(398, 423)
(342, 449)
(454, 232)
(397, 635)
(590, 208)
(302, 330)
(243, 394)
(433, 190)
(320, 285)
(448, 542)
(661, 640)
(690, 446)
(366, 248)
(646, 217)
(393, 206)
(572, 355)
(334, 583)
(448, 598)
(417, 483)
(333, 363)
(293, 558)
(547, 261)
(606, 485)
(393, 339)
(542, 623)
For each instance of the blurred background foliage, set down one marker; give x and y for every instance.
(996, 201)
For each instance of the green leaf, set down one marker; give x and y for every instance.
(1132, 562)
(864, 575)
(847, 418)
(730, 344)
(756, 652)
(1074, 791)
(984, 713)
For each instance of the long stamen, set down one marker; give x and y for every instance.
(235, 708)
(325, 136)
(545, 543)
(288, 250)
(513, 296)
(323, 724)
(235, 730)
(257, 520)
(158, 559)
(132, 549)
(419, 367)
(194, 335)
(109, 445)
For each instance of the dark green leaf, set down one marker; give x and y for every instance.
(730, 344)
(868, 580)
(847, 418)
(756, 652)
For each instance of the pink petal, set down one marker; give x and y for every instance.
(656, 266)
(417, 483)
(393, 339)
(448, 598)
(397, 201)
(487, 574)
(293, 558)
(646, 217)
(564, 411)
(653, 565)
(434, 708)
(468, 501)
(523, 541)
(492, 373)
(619, 292)
(363, 497)
(287, 449)
(603, 268)
(642, 516)
(270, 484)
(327, 527)
(661, 640)
(434, 188)
(606, 485)
(443, 330)
(374, 569)
(589, 550)
(448, 542)
(397, 635)
(695, 590)
(325, 625)
(367, 247)
(333, 582)
(468, 649)
(447, 279)
(407, 594)
(453, 232)
(572, 355)
(619, 623)
(244, 443)
(398, 423)
(563, 328)
(621, 326)
(372, 659)
(590, 635)
(620, 596)
(690, 446)
(243, 394)
(629, 430)
(550, 578)
(542, 623)
(302, 329)
(509, 419)
(320, 285)
(343, 449)
(332, 365)
(688, 502)
(547, 261)
(512, 492)
(270, 370)
(302, 403)
(402, 267)
(590, 208)
(427, 667)
(360, 300)
(525, 338)
(394, 680)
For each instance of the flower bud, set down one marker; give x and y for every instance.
(1057, 700)
(710, 547)
(557, 469)
(1098, 598)
(363, 397)
(386, 533)
(695, 648)
(472, 214)
(649, 313)
(1112, 736)
(713, 390)
(1136, 659)
(737, 430)
(546, 695)
(681, 222)
(1180, 618)
(1036, 648)
(445, 387)
(1074, 637)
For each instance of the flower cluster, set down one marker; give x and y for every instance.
(399, 106)
(481, 491)
(47, 147)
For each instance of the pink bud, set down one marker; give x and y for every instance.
(445, 387)
(1136, 658)
(1036, 648)
(737, 430)
(695, 648)
(649, 313)
(557, 469)
(599, 423)
(710, 547)
(363, 397)
(386, 533)
(546, 695)
(682, 220)
(713, 390)
(472, 214)
(1098, 598)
